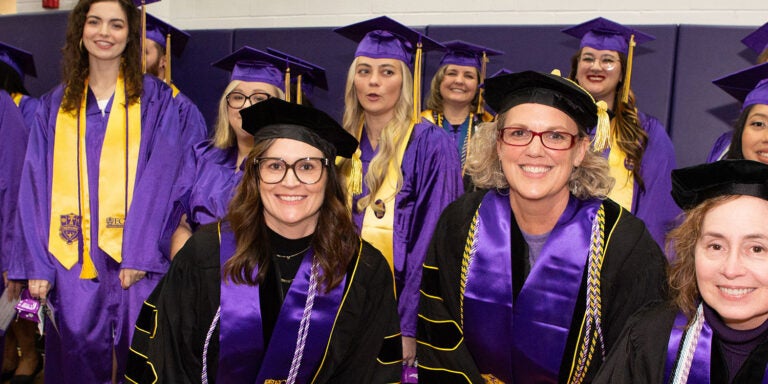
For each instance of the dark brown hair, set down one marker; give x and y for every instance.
(734, 151)
(629, 135)
(75, 61)
(335, 241)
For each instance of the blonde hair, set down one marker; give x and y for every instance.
(224, 134)
(392, 135)
(435, 99)
(591, 179)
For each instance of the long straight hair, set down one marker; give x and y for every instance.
(392, 135)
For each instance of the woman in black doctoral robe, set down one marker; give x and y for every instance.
(284, 290)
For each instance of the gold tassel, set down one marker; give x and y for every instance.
(628, 72)
(356, 176)
(483, 63)
(143, 36)
(288, 84)
(417, 85)
(298, 89)
(168, 59)
(603, 129)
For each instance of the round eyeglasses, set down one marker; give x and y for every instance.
(237, 99)
(309, 170)
(520, 137)
(607, 63)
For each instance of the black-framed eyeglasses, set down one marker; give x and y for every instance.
(308, 170)
(520, 137)
(237, 99)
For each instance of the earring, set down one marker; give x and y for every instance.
(81, 45)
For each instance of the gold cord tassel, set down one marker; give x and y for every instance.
(143, 36)
(417, 85)
(603, 129)
(356, 176)
(288, 84)
(483, 65)
(167, 78)
(298, 89)
(628, 72)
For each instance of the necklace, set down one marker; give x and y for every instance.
(288, 257)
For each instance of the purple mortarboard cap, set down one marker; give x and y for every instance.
(466, 54)
(384, 38)
(757, 40)
(750, 86)
(250, 64)
(604, 34)
(314, 77)
(20, 60)
(157, 30)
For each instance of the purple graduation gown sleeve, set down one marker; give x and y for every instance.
(192, 123)
(431, 181)
(720, 148)
(14, 133)
(654, 205)
(159, 163)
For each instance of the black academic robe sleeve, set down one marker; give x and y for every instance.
(167, 345)
(364, 346)
(633, 275)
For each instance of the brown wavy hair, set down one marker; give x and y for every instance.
(681, 242)
(435, 98)
(335, 241)
(75, 59)
(625, 125)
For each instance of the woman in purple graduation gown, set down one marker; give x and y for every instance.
(212, 170)
(715, 328)
(407, 169)
(284, 290)
(749, 139)
(531, 280)
(94, 193)
(454, 101)
(757, 41)
(639, 151)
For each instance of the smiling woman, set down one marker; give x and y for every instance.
(95, 193)
(283, 290)
(540, 231)
(715, 330)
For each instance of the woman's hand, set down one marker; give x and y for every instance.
(130, 276)
(409, 350)
(39, 289)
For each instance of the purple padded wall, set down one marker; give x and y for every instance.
(194, 76)
(42, 34)
(543, 48)
(701, 111)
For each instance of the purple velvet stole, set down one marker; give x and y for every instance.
(242, 357)
(701, 364)
(524, 342)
